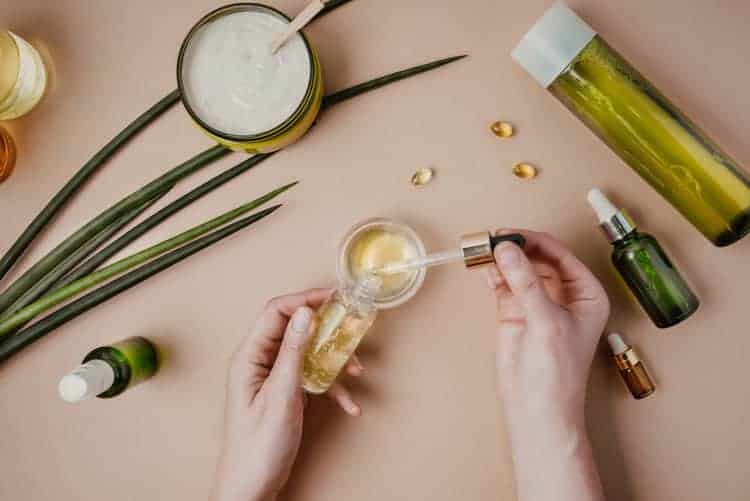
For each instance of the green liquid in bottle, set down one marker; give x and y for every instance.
(653, 279)
(658, 141)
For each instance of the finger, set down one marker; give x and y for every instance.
(510, 335)
(571, 270)
(286, 374)
(522, 279)
(277, 312)
(354, 367)
(271, 322)
(339, 394)
(494, 278)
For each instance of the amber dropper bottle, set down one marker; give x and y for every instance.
(631, 368)
(645, 267)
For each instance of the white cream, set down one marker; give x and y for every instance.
(231, 80)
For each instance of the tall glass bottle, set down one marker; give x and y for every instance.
(340, 324)
(638, 123)
(109, 370)
(644, 266)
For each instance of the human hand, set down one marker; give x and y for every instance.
(551, 313)
(265, 401)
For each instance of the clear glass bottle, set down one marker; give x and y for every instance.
(23, 77)
(644, 266)
(108, 371)
(339, 326)
(638, 123)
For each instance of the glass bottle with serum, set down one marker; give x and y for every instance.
(382, 264)
(645, 267)
(108, 371)
(342, 322)
(339, 326)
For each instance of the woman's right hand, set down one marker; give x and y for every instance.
(551, 314)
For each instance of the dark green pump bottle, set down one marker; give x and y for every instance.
(109, 370)
(644, 266)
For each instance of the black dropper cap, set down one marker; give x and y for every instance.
(478, 248)
(516, 238)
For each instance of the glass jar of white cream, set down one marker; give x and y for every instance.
(239, 92)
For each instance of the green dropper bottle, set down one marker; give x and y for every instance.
(644, 266)
(108, 371)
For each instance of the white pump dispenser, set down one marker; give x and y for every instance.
(87, 380)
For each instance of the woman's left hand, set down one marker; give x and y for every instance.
(265, 400)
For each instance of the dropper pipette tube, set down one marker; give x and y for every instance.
(434, 259)
(475, 249)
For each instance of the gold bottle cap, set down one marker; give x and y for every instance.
(477, 248)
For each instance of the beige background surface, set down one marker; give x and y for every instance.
(432, 428)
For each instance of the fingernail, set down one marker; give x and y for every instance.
(509, 256)
(354, 410)
(301, 319)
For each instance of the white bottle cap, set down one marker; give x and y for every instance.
(552, 43)
(86, 381)
(604, 209)
(617, 344)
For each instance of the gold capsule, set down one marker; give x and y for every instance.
(525, 171)
(422, 176)
(502, 129)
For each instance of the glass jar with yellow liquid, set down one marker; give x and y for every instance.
(23, 78)
(342, 322)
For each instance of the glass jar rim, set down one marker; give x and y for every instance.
(345, 278)
(286, 123)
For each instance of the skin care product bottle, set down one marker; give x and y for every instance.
(644, 266)
(109, 370)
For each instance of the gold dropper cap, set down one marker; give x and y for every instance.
(478, 248)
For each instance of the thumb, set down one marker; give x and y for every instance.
(522, 279)
(286, 373)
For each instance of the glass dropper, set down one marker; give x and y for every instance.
(475, 249)
(434, 259)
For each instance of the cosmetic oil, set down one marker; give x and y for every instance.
(502, 130)
(107, 371)
(631, 368)
(339, 326)
(423, 176)
(377, 248)
(639, 123)
(341, 323)
(647, 270)
(23, 78)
